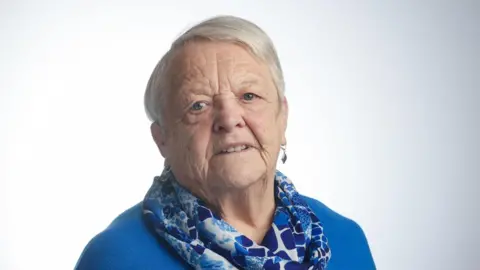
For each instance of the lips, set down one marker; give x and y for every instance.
(238, 148)
(234, 148)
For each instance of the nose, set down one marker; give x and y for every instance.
(228, 115)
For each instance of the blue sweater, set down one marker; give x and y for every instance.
(129, 244)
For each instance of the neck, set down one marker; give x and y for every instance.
(250, 210)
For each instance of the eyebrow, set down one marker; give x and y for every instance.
(247, 82)
(195, 87)
(199, 87)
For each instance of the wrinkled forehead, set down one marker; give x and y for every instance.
(212, 62)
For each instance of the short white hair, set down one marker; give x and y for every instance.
(220, 28)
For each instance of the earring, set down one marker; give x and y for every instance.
(284, 149)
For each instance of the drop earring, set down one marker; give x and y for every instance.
(284, 149)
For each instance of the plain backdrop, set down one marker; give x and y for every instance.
(384, 120)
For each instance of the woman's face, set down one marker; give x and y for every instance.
(223, 119)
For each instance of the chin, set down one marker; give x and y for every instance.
(239, 176)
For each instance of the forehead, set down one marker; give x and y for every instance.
(207, 61)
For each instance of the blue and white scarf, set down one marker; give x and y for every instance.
(205, 241)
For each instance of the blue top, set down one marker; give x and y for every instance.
(129, 244)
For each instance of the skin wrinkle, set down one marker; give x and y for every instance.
(238, 186)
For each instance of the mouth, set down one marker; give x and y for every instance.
(235, 149)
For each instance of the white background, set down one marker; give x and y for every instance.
(384, 125)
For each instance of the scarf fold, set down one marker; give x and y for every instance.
(205, 241)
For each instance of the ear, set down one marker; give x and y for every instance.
(159, 137)
(284, 120)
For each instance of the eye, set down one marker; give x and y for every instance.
(198, 106)
(249, 96)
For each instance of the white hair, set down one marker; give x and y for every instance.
(220, 28)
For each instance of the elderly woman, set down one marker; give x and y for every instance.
(219, 114)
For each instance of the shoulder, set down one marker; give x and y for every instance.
(126, 244)
(347, 240)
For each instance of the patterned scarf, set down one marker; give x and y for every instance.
(205, 241)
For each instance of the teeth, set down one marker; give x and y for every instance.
(235, 149)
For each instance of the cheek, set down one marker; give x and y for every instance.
(264, 126)
(191, 142)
